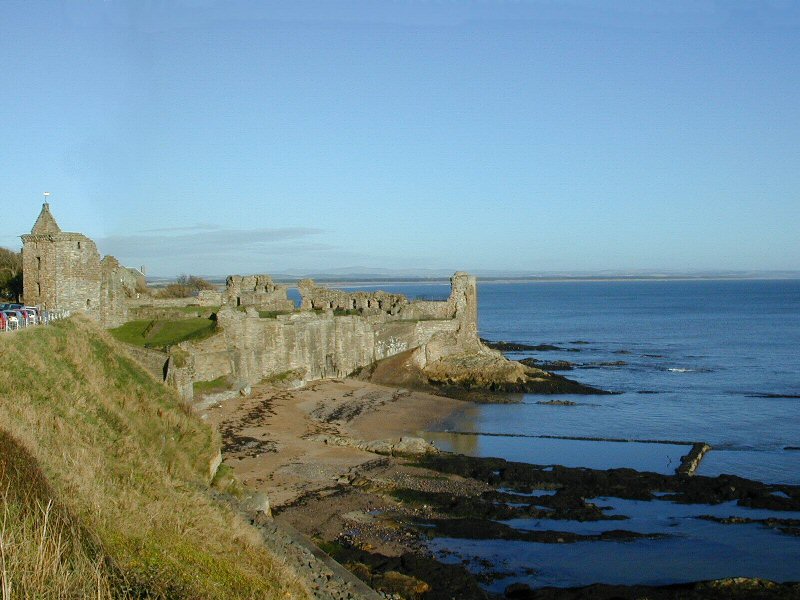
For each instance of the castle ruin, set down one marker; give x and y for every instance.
(260, 334)
(64, 271)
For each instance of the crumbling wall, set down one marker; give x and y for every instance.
(210, 298)
(321, 345)
(118, 285)
(320, 298)
(154, 361)
(258, 291)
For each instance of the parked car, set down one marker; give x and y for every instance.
(13, 319)
(33, 315)
(22, 316)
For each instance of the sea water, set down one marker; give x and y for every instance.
(691, 361)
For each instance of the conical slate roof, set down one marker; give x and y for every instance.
(46, 223)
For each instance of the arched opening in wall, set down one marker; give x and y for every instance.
(354, 303)
(38, 289)
(380, 304)
(38, 263)
(79, 247)
(238, 300)
(88, 303)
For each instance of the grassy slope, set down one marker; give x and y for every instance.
(44, 552)
(162, 333)
(127, 466)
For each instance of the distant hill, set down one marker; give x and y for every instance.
(367, 275)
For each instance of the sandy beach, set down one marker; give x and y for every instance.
(272, 437)
(280, 442)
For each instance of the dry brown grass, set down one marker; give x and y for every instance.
(128, 465)
(44, 553)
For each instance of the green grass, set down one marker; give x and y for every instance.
(161, 333)
(215, 385)
(124, 467)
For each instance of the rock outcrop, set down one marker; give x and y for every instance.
(405, 446)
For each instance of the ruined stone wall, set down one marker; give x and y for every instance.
(258, 291)
(117, 287)
(316, 345)
(320, 298)
(79, 274)
(210, 298)
(164, 302)
(154, 361)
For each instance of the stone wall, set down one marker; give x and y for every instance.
(150, 301)
(61, 271)
(154, 361)
(258, 291)
(321, 298)
(317, 345)
(118, 286)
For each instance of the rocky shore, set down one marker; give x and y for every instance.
(482, 374)
(342, 462)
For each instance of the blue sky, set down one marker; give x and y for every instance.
(216, 137)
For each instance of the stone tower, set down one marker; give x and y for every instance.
(60, 270)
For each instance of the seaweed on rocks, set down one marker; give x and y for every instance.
(737, 588)
(621, 483)
(557, 403)
(554, 365)
(502, 506)
(517, 347)
(443, 581)
(787, 526)
(504, 391)
(481, 529)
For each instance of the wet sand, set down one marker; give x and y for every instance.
(269, 437)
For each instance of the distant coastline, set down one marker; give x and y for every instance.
(356, 280)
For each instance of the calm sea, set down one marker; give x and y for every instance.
(710, 361)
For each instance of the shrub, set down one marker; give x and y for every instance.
(10, 273)
(185, 286)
